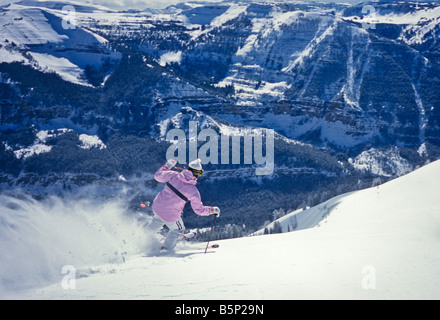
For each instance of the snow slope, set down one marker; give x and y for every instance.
(378, 243)
(50, 38)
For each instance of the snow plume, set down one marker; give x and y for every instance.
(39, 238)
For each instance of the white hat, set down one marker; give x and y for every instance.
(196, 165)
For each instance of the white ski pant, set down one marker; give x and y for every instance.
(176, 230)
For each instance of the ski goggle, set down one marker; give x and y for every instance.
(197, 173)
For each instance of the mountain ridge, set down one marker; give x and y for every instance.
(349, 105)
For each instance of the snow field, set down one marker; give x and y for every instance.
(378, 243)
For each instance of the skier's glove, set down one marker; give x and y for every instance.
(215, 211)
(170, 163)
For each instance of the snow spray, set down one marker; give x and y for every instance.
(39, 238)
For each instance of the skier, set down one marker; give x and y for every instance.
(169, 203)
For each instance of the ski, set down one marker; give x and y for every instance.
(188, 235)
(145, 204)
(213, 246)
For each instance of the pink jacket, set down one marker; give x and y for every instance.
(167, 204)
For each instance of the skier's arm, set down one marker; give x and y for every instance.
(197, 205)
(164, 174)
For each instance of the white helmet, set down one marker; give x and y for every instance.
(196, 167)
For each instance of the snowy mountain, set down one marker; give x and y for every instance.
(378, 243)
(310, 71)
(43, 35)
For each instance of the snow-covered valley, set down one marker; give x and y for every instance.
(377, 243)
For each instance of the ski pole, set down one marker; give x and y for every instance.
(212, 228)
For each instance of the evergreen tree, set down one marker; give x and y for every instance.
(277, 227)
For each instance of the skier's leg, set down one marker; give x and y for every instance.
(155, 224)
(176, 230)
